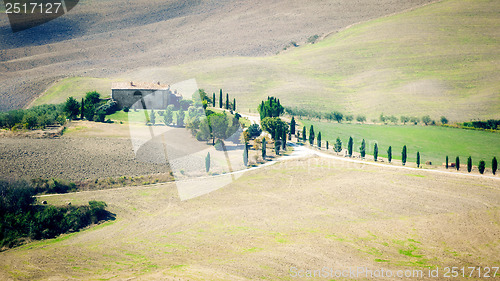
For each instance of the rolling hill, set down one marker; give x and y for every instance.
(109, 38)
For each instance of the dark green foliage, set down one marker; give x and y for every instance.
(168, 116)
(245, 155)
(444, 120)
(494, 165)
(92, 100)
(21, 218)
(292, 126)
(404, 119)
(403, 155)
(277, 146)
(220, 99)
(234, 104)
(418, 159)
(264, 146)
(273, 125)
(349, 117)
(319, 139)
(219, 125)
(35, 117)
(338, 145)
(326, 145)
(71, 108)
(362, 149)
(311, 135)
(270, 108)
(227, 101)
(52, 186)
(213, 100)
(109, 107)
(207, 162)
(375, 152)
(447, 162)
(254, 130)
(389, 154)
(487, 125)
(361, 118)
(304, 137)
(457, 163)
(469, 164)
(349, 146)
(481, 166)
(126, 109)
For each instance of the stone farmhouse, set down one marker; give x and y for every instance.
(137, 95)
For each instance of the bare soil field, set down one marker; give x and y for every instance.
(308, 214)
(99, 39)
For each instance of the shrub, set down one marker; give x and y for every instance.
(72, 108)
(219, 145)
(126, 109)
(444, 120)
(338, 145)
(481, 166)
(254, 130)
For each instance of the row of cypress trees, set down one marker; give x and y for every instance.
(221, 101)
(404, 152)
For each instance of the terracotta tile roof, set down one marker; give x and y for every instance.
(139, 86)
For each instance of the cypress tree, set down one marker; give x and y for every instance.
(234, 104)
(245, 155)
(481, 167)
(264, 148)
(389, 154)
(213, 100)
(207, 162)
(338, 145)
(375, 152)
(457, 162)
(304, 137)
(292, 126)
(494, 165)
(319, 139)
(277, 147)
(283, 141)
(349, 146)
(403, 155)
(82, 108)
(362, 149)
(326, 145)
(220, 99)
(469, 164)
(446, 161)
(311, 135)
(418, 159)
(227, 101)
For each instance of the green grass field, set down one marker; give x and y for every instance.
(433, 142)
(75, 87)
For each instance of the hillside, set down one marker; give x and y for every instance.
(107, 38)
(441, 59)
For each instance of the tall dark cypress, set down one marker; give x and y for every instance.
(326, 145)
(227, 101)
(213, 100)
(283, 140)
(319, 139)
(349, 146)
(220, 99)
(292, 126)
(469, 164)
(494, 165)
(264, 144)
(82, 109)
(362, 149)
(403, 155)
(389, 154)
(418, 159)
(375, 152)
(234, 104)
(457, 163)
(446, 161)
(245, 155)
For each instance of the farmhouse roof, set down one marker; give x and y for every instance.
(139, 86)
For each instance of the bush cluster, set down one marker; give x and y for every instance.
(32, 118)
(21, 219)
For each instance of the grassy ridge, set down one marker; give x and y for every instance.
(433, 142)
